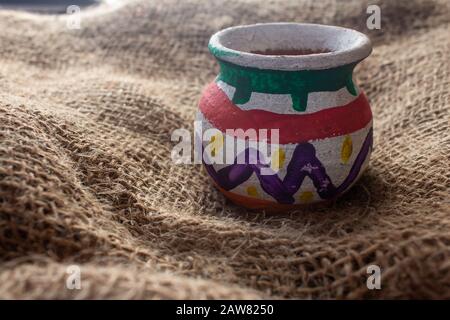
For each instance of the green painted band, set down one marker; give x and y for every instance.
(296, 83)
(221, 53)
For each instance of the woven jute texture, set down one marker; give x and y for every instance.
(86, 176)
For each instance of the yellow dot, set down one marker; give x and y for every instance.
(216, 143)
(252, 191)
(278, 158)
(347, 149)
(306, 196)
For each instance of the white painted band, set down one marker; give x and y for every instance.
(328, 151)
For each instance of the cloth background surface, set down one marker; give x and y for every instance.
(86, 177)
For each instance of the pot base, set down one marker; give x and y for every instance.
(268, 206)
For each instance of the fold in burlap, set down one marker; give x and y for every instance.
(86, 176)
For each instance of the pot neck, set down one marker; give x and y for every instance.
(330, 46)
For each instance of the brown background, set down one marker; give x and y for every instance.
(86, 177)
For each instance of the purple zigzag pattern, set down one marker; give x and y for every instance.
(303, 163)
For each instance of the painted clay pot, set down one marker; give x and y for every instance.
(297, 78)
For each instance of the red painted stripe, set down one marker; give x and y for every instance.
(331, 122)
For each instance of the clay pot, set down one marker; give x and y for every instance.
(297, 78)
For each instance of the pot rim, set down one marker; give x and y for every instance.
(343, 45)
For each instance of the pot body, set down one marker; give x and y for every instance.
(324, 126)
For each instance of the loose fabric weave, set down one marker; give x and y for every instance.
(86, 176)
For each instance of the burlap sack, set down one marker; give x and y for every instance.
(86, 176)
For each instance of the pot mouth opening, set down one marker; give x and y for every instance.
(290, 46)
